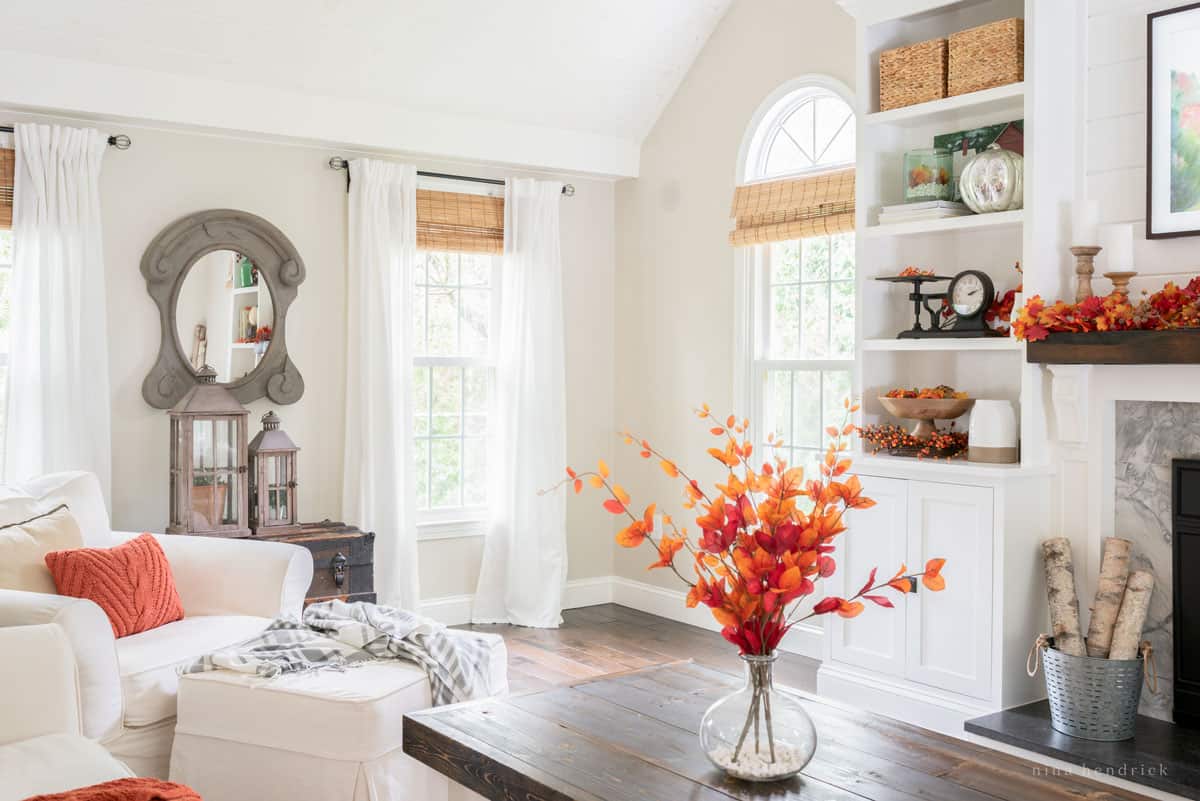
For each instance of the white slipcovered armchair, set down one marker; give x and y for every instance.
(230, 590)
(42, 749)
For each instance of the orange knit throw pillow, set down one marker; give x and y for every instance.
(132, 583)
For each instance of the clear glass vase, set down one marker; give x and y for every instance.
(759, 733)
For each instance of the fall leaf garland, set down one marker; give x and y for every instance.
(766, 536)
(1171, 307)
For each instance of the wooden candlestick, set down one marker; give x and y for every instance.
(1085, 265)
(1120, 281)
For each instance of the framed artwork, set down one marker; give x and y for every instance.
(1173, 122)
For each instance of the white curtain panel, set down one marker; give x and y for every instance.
(57, 411)
(525, 554)
(378, 482)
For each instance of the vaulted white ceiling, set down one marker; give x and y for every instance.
(599, 69)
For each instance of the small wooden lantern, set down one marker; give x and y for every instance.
(273, 480)
(208, 461)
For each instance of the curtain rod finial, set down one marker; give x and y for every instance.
(338, 163)
(569, 190)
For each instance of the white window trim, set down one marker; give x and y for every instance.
(452, 524)
(460, 521)
(771, 107)
(751, 284)
(753, 332)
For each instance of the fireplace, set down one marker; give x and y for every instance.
(1185, 568)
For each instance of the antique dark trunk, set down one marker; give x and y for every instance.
(343, 560)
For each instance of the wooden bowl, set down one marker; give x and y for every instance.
(926, 410)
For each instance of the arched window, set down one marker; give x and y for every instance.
(810, 128)
(801, 299)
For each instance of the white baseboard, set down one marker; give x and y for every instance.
(906, 701)
(455, 610)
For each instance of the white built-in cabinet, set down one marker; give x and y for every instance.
(876, 639)
(938, 658)
(949, 632)
(941, 639)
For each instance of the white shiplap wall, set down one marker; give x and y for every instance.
(1116, 136)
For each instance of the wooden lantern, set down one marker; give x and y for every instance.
(208, 461)
(273, 480)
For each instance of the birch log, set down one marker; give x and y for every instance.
(1114, 572)
(1060, 592)
(1127, 633)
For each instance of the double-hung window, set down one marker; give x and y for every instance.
(805, 326)
(800, 298)
(456, 300)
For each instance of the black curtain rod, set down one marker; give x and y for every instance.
(120, 141)
(339, 163)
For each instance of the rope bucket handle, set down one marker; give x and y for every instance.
(1151, 668)
(1035, 654)
(1033, 660)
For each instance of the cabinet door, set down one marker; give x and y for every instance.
(950, 632)
(875, 539)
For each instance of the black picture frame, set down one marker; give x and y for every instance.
(1155, 227)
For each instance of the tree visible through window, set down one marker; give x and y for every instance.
(807, 361)
(455, 309)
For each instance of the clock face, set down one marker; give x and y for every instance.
(968, 295)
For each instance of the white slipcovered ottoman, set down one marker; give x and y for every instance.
(323, 735)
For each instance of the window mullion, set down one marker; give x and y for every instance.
(800, 299)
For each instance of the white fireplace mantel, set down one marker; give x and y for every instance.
(1092, 486)
(1083, 399)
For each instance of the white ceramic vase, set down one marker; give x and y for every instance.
(992, 435)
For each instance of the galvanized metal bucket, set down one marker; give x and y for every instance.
(1091, 698)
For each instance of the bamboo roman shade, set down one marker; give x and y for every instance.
(776, 211)
(8, 161)
(459, 222)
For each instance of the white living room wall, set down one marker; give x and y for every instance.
(675, 268)
(167, 174)
(1116, 136)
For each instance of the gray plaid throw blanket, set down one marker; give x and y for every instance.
(335, 634)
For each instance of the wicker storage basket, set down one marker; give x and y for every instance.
(987, 56)
(913, 74)
(1090, 698)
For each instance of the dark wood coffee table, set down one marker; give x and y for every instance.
(632, 737)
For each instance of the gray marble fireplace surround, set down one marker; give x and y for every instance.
(1149, 434)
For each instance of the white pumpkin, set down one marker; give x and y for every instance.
(992, 181)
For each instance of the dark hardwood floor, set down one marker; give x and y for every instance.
(596, 640)
(861, 757)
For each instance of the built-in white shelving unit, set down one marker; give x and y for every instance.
(949, 225)
(933, 345)
(959, 653)
(1001, 100)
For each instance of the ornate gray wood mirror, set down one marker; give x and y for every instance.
(223, 281)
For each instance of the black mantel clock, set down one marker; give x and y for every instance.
(969, 296)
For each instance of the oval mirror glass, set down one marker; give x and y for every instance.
(223, 315)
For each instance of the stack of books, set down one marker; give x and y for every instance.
(924, 210)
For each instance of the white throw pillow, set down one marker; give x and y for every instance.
(23, 549)
(16, 506)
(81, 492)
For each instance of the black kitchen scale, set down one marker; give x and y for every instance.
(970, 295)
